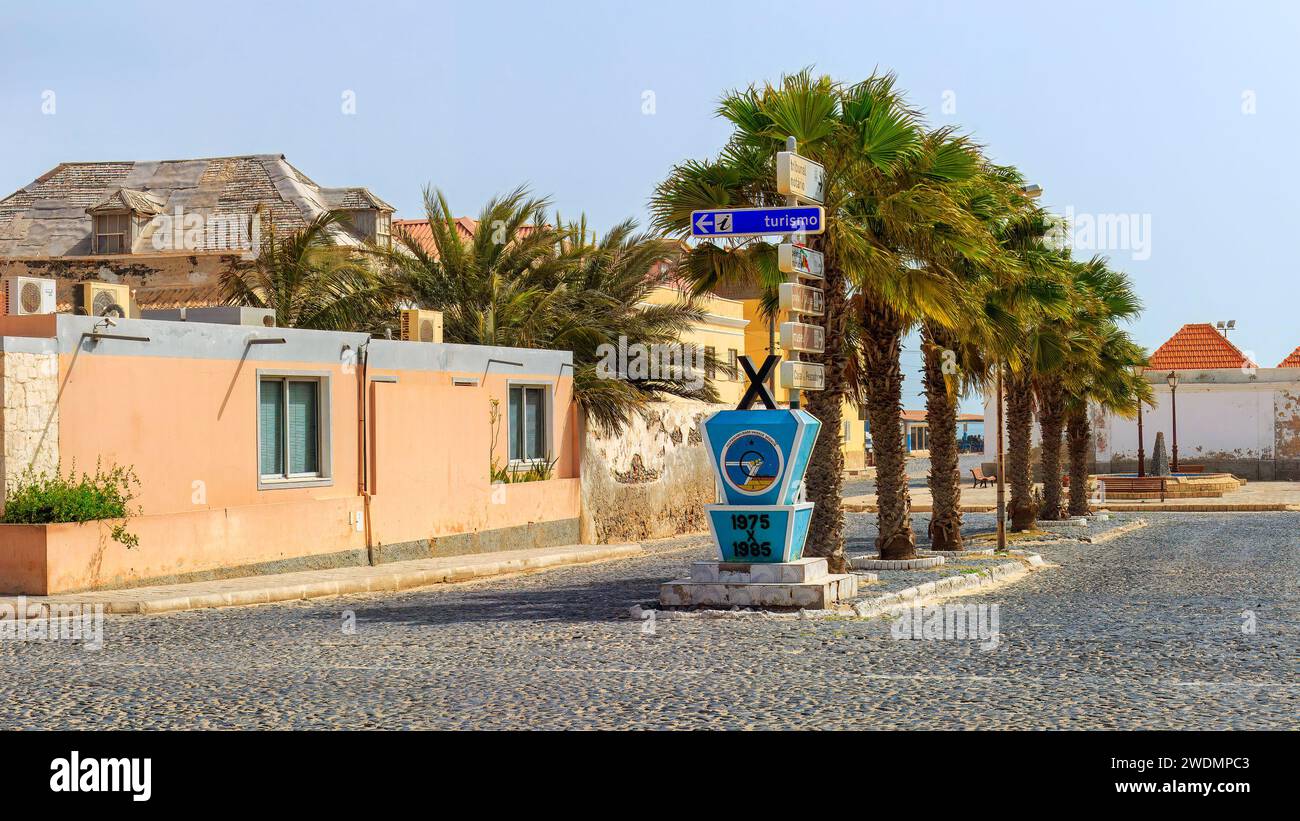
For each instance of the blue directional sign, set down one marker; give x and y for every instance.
(758, 222)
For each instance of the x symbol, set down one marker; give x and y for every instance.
(758, 383)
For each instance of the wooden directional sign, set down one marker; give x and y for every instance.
(799, 177)
(802, 376)
(796, 259)
(800, 299)
(758, 222)
(804, 338)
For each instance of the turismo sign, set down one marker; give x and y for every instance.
(758, 222)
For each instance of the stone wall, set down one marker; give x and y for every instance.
(30, 431)
(650, 481)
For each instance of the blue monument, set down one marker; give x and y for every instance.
(759, 459)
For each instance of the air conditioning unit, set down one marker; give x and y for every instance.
(29, 295)
(101, 299)
(419, 325)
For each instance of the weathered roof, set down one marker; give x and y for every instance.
(1292, 361)
(49, 218)
(1198, 346)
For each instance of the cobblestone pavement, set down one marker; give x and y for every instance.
(1142, 631)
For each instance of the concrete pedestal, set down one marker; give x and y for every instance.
(803, 583)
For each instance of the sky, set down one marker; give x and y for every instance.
(1169, 124)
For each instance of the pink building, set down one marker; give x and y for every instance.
(264, 449)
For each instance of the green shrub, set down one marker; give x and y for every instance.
(46, 499)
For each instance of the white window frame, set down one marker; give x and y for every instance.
(125, 233)
(548, 405)
(324, 477)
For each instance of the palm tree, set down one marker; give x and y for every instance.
(520, 281)
(958, 359)
(1111, 386)
(310, 281)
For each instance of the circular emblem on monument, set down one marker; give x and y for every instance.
(751, 462)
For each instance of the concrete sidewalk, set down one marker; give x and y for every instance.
(385, 578)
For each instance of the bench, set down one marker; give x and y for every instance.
(978, 479)
(1134, 484)
(1191, 468)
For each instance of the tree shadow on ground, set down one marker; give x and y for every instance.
(593, 600)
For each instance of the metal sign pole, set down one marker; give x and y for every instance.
(792, 145)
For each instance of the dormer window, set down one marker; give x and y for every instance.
(371, 225)
(112, 233)
(119, 218)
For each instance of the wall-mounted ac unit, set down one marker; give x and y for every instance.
(29, 295)
(101, 299)
(419, 325)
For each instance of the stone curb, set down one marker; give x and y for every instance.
(883, 605)
(871, 563)
(384, 579)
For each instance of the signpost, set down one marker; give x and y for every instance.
(760, 456)
(758, 222)
(803, 376)
(800, 299)
(803, 338)
(800, 177)
(796, 259)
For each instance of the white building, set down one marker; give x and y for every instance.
(1232, 415)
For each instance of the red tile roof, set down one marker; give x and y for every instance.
(1198, 346)
(1292, 361)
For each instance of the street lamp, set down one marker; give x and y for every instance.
(1142, 454)
(1172, 379)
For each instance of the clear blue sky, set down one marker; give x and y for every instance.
(1114, 108)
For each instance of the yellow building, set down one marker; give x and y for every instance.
(723, 333)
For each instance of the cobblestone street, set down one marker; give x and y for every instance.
(1145, 631)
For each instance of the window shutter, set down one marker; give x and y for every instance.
(536, 431)
(516, 414)
(270, 424)
(304, 432)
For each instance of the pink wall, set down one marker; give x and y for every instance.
(188, 427)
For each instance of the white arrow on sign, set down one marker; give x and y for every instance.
(704, 222)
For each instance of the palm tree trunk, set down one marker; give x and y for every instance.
(825, 477)
(941, 415)
(1020, 421)
(882, 343)
(1051, 425)
(1078, 440)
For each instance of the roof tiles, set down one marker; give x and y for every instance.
(1198, 346)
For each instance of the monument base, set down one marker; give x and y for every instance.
(803, 583)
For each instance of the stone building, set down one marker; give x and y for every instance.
(169, 229)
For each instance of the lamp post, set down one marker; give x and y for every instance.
(1002, 498)
(1142, 454)
(1172, 379)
